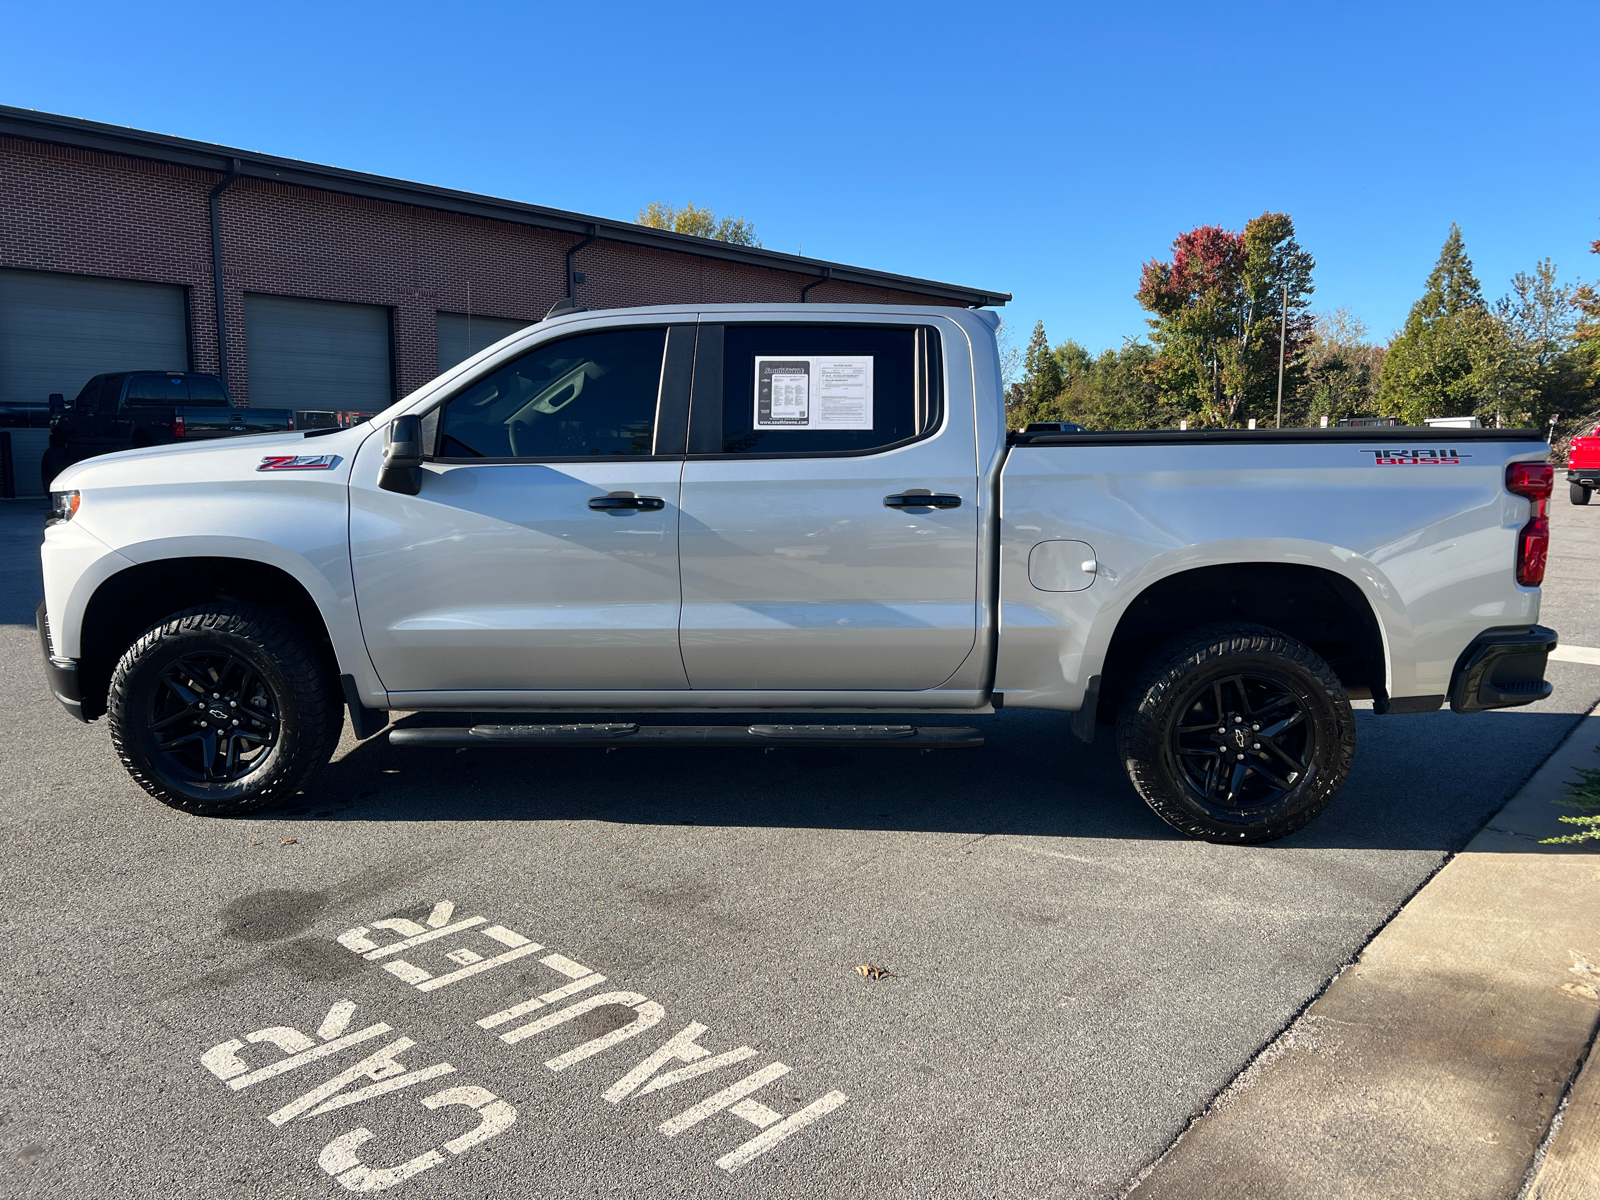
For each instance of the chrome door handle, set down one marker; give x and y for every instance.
(921, 500)
(627, 503)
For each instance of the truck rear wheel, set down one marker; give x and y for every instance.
(1236, 733)
(221, 709)
(1577, 493)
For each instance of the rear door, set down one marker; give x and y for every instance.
(95, 430)
(810, 559)
(542, 551)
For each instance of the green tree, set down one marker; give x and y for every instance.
(1455, 356)
(698, 222)
(1041, 373)
(1217, 308)
(1339, 372)
(1118, 389)
(1586, 331)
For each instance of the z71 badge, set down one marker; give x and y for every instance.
(299, 462)
(1416, 458)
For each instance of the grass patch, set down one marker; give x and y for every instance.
(1583, 794)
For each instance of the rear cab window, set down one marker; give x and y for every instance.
(799, 390)
(147, 388)
(207, 391)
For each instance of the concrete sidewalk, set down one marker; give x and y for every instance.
(1435, 1064)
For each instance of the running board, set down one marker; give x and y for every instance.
(911, 737)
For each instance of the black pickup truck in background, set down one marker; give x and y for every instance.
(129, 409)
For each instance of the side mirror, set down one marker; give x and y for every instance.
(402, 457)
(58, 404)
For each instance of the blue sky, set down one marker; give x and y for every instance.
(1045, 150)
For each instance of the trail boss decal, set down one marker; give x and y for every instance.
(1416, 458)
(299, 462)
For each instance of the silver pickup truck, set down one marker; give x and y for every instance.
(792, 512)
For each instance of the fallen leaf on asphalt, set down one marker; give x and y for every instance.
(868, 971)
(289, 841)
(1587, 985)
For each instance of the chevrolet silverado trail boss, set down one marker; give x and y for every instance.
(774, 509)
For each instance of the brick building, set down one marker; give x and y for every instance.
(338, 289)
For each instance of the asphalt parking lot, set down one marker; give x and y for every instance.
(1068, 982)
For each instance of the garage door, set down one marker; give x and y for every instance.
(461, 336)
(315, 354)
(58, 330)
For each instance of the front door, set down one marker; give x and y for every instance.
(810, 559)
(541, 552)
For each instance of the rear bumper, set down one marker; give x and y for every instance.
(1502, 668)
(1588, 476)
(61, 673)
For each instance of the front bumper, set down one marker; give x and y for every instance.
(61, 673)
(1502, 668)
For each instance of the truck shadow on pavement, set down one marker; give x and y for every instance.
(1421, 782)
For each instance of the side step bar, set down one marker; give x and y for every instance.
(911, 737)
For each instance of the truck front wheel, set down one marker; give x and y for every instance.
(1236, 733)
(222, 709)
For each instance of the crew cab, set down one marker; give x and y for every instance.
(792, 512)
(132, 409)
(1583, 467)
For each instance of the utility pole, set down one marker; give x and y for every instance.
(1283, 345)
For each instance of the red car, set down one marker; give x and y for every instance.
(1583, 467)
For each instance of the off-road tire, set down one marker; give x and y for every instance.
(1177, 673)
(309, 717)
(1577, 493)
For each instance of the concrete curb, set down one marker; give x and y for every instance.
(1434, 1065)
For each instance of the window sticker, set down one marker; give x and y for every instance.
(819, 392)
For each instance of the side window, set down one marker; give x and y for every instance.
(90, 396)
(110, 394)
(808, 389)
(150, 388)
(589, 396)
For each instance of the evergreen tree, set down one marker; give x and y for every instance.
(1453, 356)
(1041, 372)
(1119, 389)
(1586, 333)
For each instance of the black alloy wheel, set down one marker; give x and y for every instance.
(1244, 745)
(223, 708)
(1236, 733)
(212, 717)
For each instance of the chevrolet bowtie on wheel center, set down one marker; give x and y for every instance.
(222, 707)
(1237, 733)
(781, 509)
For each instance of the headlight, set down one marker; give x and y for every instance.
(63, 506)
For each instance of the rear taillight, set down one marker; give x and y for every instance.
(177, 425)
(1533, 481)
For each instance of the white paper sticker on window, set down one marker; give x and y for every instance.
(819, 392)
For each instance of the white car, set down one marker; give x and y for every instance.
(776, 509)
